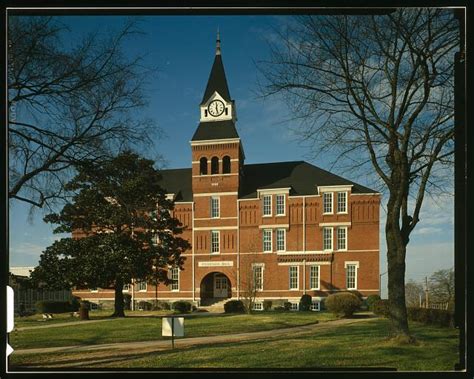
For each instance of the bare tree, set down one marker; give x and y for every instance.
(441, 287)
(250, 282)
(68, 102)
(377, 93)
(413, 291)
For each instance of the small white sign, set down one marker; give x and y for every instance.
(167, 328)
(216, 264)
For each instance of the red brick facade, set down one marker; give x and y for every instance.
(296, 234)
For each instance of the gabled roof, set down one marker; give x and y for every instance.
(215, 130)
(302, 177)
(217, 81)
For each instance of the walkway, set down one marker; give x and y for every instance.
(150, 346)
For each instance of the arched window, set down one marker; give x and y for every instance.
(226, 165)
(214, 165)
(203, 166)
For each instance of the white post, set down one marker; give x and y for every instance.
(133, 295)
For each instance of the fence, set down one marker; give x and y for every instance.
(25, 299)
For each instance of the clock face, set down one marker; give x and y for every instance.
(216, 108)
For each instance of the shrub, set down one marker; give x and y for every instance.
(371, 300)
(267, 305)
(343, 304)
(234, 306)
(85, 305)
(144, 305)
(279, 309)
(380, 308)
(182, 306)
(50, 306)
(305, 303)
(75, 304)
(287, 306)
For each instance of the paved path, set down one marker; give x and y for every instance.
(159, 345)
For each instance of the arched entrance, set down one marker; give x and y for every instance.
(215, 286)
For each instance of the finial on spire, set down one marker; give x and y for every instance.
(218, 43)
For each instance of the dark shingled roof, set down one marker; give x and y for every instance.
(215, 130)
(300, 176)
(217, 81)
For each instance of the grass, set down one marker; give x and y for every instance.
(357, 345)
(145, 328)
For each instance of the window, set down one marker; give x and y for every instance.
(267, 205)
(258, 277)
(257, 306)
(341, 238)
(351, 276)
(280, 245)
(94, 306)
(214, 207)
(314, 277)
(327, 238)
(156, 239)
(226, 165)
(214, 165)
(203, 166)
(280, 205)
(214, 241)
(141, 285)
(126, 288)
(174, 275)
(293, 271)
(315, 306)
(294, 306)
(94, 289)
(327, 202)
(267, 240)
(342, 202)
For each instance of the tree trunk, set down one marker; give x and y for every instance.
(118, 306)
(396, 251)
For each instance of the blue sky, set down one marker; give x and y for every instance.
(182, 48)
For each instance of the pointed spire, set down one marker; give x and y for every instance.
(218, 43)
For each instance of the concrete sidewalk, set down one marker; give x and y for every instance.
(159, 345)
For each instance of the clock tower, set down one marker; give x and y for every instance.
(217, 152)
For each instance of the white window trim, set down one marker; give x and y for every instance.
(332, 238)
(178, 281)
(260, 306)
(218, 241)
(337, 207)
(126, 289)
(297, 278)
(318, 305)
(262, 267)
(356, 264)
(276, 205)
(263, 206)
(146, 286)
(297, 306)
(218, 207)
(284, 240)
(332, 203)
(319, 277)
(337, 238)
(96, 290)
(271, 240)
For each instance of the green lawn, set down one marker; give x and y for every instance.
(149, 328)
(358, 345)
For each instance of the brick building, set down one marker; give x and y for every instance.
(289, 227)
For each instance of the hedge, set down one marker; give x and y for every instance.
(267, 305)
(380, 308)
(438, 317)
(343, 304)
(50, 306)
(182, 306)
(371, 300)
(234, 306)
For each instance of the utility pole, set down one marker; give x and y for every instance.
(426, 292)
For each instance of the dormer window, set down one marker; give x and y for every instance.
(203, 166)
(226, 165)
(214, 165)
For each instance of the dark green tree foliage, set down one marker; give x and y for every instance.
(123, 211)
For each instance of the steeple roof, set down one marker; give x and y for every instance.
(217, 80)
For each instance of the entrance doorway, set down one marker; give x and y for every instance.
(215, 287)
